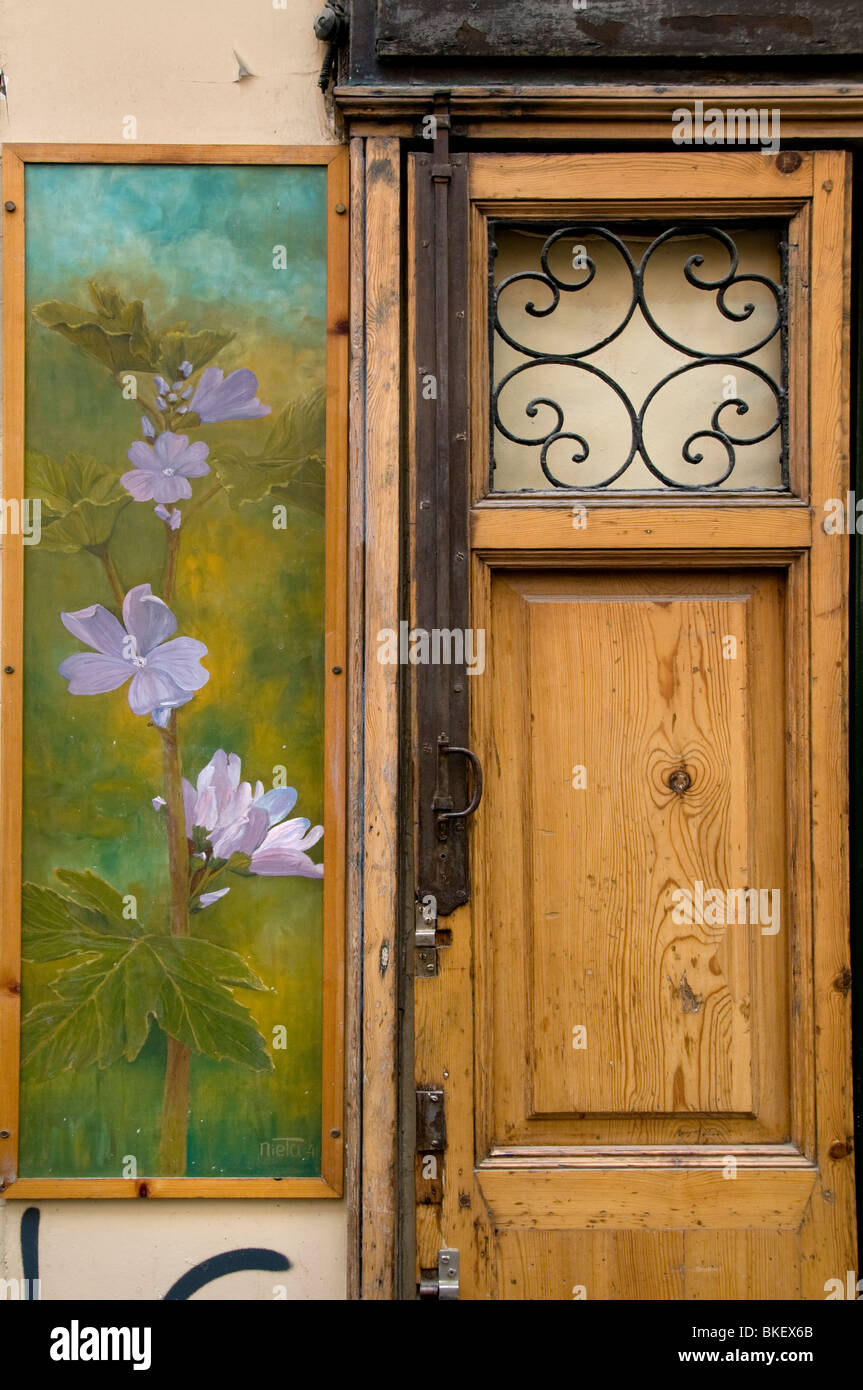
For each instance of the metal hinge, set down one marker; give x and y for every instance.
(431, 1120)
(442, 1282)
(449, 777)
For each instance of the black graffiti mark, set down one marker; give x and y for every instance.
(231, 1262)
(30, 1247)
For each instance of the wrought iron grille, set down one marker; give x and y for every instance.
(721, 426)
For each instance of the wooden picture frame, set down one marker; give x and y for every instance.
(336, 671)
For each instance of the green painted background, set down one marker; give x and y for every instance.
(194, 244)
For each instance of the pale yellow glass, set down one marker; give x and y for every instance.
(637, 360)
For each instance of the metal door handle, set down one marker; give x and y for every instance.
(444, 746)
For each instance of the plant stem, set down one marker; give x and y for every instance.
(170, 576)
(175, 814)
(175, 1112)
(113, 577)
(175, 1104)
(199, 501)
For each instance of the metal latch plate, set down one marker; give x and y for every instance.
(441, 1283)
(431, 1120)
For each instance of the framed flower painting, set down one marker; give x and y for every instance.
(173, 696)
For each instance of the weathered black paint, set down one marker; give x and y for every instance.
(230, 1262)
(829, 53)
(614, 28)
(30, 1247)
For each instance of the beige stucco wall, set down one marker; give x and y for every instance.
(75, 70)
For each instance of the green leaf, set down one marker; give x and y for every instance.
(291, 465)
(105, 1002)
(197, 1009)
(307, 488)
(86, 497)
(176, 345)
(205, 958)
(300, 429)
(60, 1036)
(55, 927)
(80, 477)
(114, 332)
(46, 478)
(100, 1015)
(245, 479)
(94, 892)
(84, 527)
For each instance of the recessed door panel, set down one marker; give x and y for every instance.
(649, 758)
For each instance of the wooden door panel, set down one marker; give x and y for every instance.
(591, 1265)
(617, 683)
(648, 1265)
(683, 1191)
(634, 690)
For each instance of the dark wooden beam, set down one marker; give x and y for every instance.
(616, 28)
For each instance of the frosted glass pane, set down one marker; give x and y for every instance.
(632, 371)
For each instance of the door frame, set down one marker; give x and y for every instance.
(384, 125)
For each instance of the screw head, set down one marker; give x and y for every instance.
(10, 206)
(680, 781)
(10, 670)
(340, 208)
(337, 670)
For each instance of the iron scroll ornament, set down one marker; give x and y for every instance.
(718, 429)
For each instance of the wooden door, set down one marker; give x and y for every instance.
(641, 1025)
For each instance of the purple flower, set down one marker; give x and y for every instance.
(206, 899)
(227, 398)
(162, 470)
(172, 518)
(238, 820)
(147, 427)
(162, 712)
(164, 674)
(186, 368)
